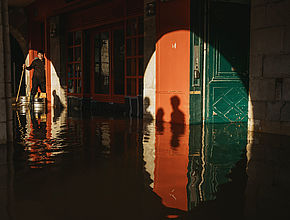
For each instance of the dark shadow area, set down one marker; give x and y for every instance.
(17, 59)
(267, 191)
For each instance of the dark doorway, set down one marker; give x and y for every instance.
(17, 60)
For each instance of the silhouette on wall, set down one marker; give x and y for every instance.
(177, 122)
(147, 115)
(57, 106)
(160, 120)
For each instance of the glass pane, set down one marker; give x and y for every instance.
(140, 89)
(131, 47)
(78, 70)
(131, 87)
(131, 67)
(79, 86)
(118, 65)
(70, 70)
(78, 54)
(141, 25)
(70, 55)
(75, 86)
(70, 38)
(141, 67)
(87, 62)
(78, 37)
(70, 86)
(131, 27)
(141, 46)
(102, 63)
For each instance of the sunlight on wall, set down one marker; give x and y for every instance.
(150, 85)
(27, 76)
(55, 85)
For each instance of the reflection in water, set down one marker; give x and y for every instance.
(114, 168)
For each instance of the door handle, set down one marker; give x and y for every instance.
(196, 74)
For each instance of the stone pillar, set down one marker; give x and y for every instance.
(149, 92)
(269, 105)
(6, 125)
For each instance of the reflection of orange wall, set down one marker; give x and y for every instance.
(173, 56)
(170, 175)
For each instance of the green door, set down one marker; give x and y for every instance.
(226, 52)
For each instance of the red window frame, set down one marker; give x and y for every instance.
(137, 76)
(110, 97)
(74, 62)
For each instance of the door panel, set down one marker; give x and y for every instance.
(227, 62)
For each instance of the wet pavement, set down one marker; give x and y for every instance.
(65, 167)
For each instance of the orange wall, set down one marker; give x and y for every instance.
(173, 58)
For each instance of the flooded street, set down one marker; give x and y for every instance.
(67, 167)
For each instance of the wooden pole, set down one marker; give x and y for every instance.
(20, 85)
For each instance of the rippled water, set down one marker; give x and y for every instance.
(68, 167)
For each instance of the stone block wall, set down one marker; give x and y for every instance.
(269, 104)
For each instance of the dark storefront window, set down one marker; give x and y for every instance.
(74, 63)
(108, 64)
(134, 56)
(118, 61)
(102, 63)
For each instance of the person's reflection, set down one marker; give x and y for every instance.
(38, 122)
(159, 120)
(39, 149)
(177, 122)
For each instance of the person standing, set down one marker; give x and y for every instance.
(38, 78)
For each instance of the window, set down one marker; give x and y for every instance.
(108, 64)
(74, 63)
(134, 56)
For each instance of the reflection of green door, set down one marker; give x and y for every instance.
(227, 62)
(215, 159)
(225, 84)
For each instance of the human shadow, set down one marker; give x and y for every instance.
(177, 122)
(57, 106)
(147, 115)
(160, 120)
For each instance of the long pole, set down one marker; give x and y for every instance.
(20, 85)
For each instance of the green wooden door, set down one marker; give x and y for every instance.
(226, 81)
(220, 51)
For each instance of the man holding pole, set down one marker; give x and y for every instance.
(38, 79)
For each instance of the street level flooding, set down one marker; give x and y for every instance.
(67, 167)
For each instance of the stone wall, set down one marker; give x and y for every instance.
(269, 104)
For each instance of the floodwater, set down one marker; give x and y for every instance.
(68, 167)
